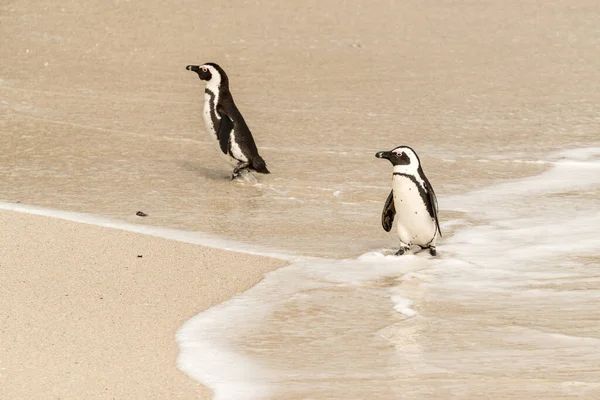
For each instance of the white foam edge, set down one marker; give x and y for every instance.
(403, 306)
(177, 235)
(204, 353)
(575, 169)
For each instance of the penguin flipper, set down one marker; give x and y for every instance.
(225, 128)
(388, 213)
(433, 204)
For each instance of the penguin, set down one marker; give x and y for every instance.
(224, 122)
(413, 199)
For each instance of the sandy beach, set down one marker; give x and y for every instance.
(83, 316)
(99, 116)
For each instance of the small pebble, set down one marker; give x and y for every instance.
(141, 214)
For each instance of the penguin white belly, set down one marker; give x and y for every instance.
(210, 128)
(212, 131)
(414, 224)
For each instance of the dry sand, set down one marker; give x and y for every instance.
(84, 317)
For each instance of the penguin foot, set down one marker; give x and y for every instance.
(240, 174)
(432, 251)
(401, 251)
(237, 171)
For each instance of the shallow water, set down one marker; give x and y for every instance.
(100, 116)
(508, 309)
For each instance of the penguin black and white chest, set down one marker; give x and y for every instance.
(412, 200)
(224, 122)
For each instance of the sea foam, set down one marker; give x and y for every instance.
(317, 322)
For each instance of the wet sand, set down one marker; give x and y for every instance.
(100, 115)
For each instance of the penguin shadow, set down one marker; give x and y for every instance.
(245, 177)
(212, 174)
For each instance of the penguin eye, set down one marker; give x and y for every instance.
(203, 68)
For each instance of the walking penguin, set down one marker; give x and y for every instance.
(225, 123)
(413, 199)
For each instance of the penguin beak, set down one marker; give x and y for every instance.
(193, 68)
(383, 154)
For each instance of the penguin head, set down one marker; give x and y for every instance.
(211, 73)
(401, 155)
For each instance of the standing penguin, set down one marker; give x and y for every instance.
(225, 123)
(414, 200)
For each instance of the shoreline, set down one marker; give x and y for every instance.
(178, 235)
(85, 316)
